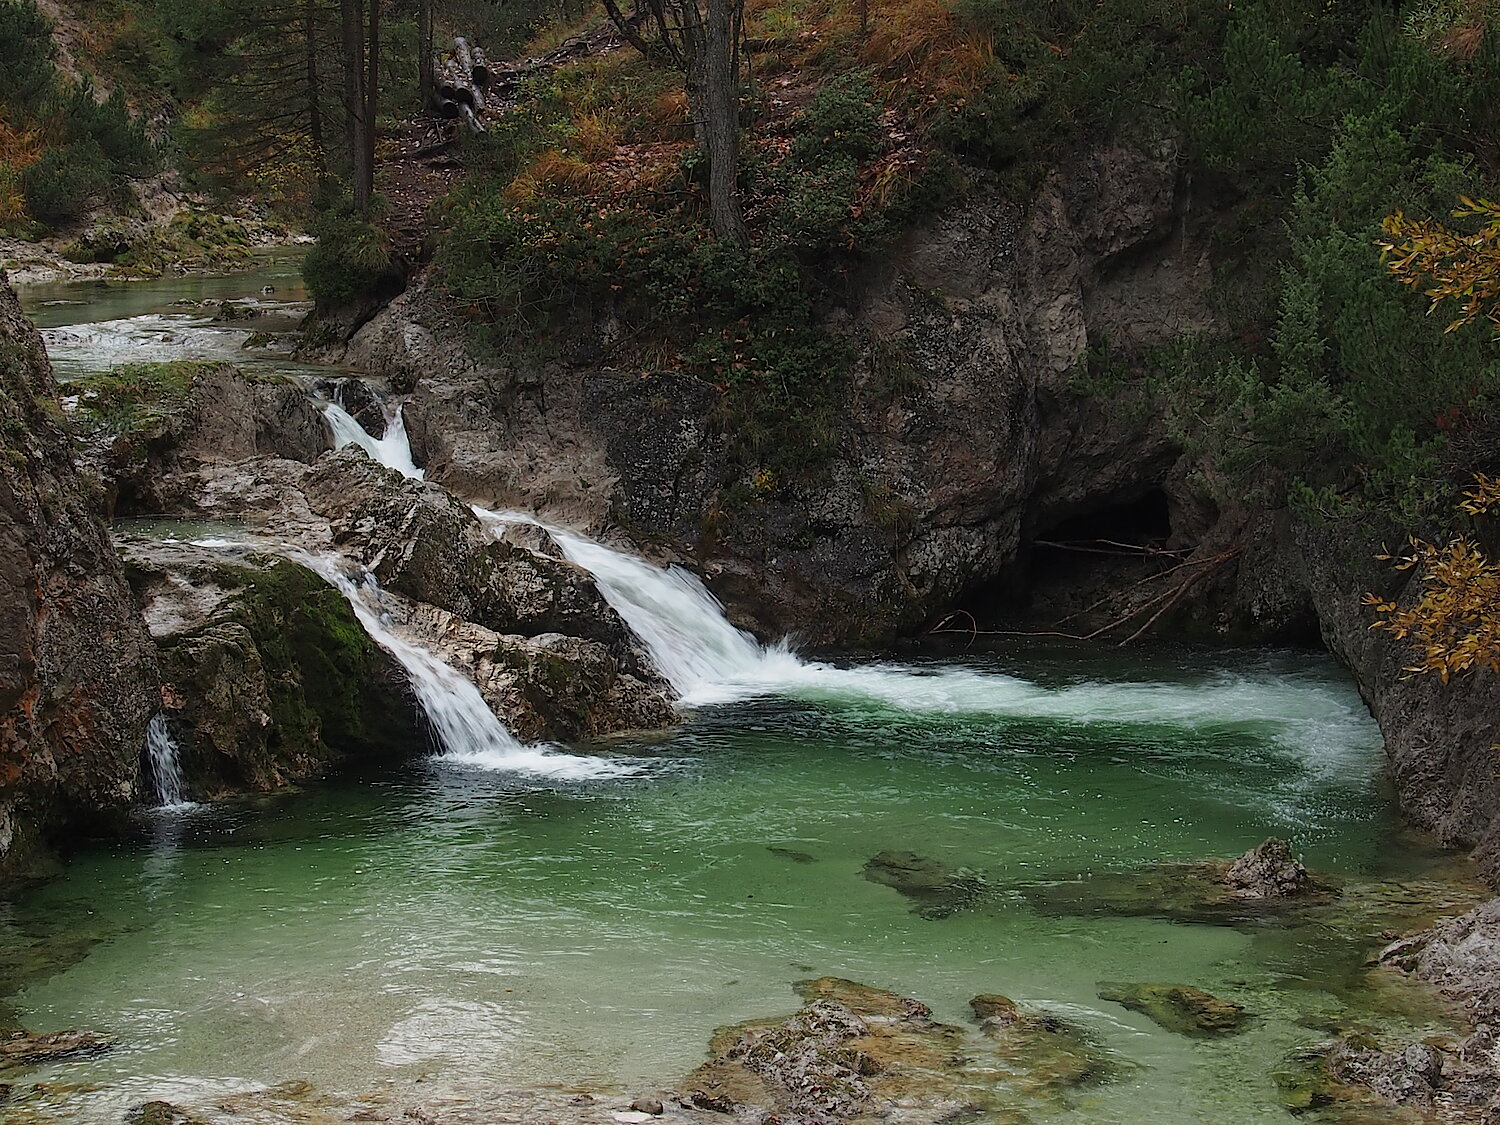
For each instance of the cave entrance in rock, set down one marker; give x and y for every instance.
(1138, 526)
(1063, 565)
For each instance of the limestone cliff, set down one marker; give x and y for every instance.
(960, 435)
(78, 673)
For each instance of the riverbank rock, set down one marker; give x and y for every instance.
(78, 672)
(422, 542)
(548, 687)
(155, 435)
(936, 890)
(269, 678)
(1180, 1008)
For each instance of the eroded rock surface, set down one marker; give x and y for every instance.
(269, 679)
(158, 442)
(855, 1053)
(78, 675)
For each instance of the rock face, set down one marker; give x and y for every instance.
(962, 434)
(160, 438)
(268, 677)
(78, 676)
(1439, 737)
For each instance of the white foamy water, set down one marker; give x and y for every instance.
(166, 765)
(393, 449)
(154, 338)
(708, 660)
(465, 727)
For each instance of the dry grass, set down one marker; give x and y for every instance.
(19, 149)
(553, 173)
(596, 135)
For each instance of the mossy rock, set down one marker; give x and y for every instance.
(1180, 1008)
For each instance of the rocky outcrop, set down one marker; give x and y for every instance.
(78, 677)
(269, 679)
(159, 436)
(856, 1053)
(1269, 870)
(546, 650)
(961, 434)
(1439, 737)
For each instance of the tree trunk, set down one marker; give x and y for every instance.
(424, 54)
(721, 123)
(351, 13)
(314, 106)
(372, 95)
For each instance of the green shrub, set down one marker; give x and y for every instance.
(66, 182)
(350, 260)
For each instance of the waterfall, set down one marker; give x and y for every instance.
(463, 724)
(707, 660)
(671, 612)
(166, 768)
(682, 625)
(392, 449)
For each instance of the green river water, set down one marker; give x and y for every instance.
(441, 926)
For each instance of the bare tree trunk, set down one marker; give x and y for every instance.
(351, 14)
(721, 123)
(314, 106)
(424, 54)
(372, 94)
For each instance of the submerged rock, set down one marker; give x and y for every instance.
(1179, 1008)
(1264, 884)
(936, 890)
(1051, 1053)
(22, 1049)
(856, 1053)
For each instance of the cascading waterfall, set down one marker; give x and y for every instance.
(463, 724)
(166, 766)
(392, 450)
(707, 660)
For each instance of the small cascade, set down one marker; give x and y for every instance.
(683, 626)
(393, 449)
(465, 727)
(166, 766)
